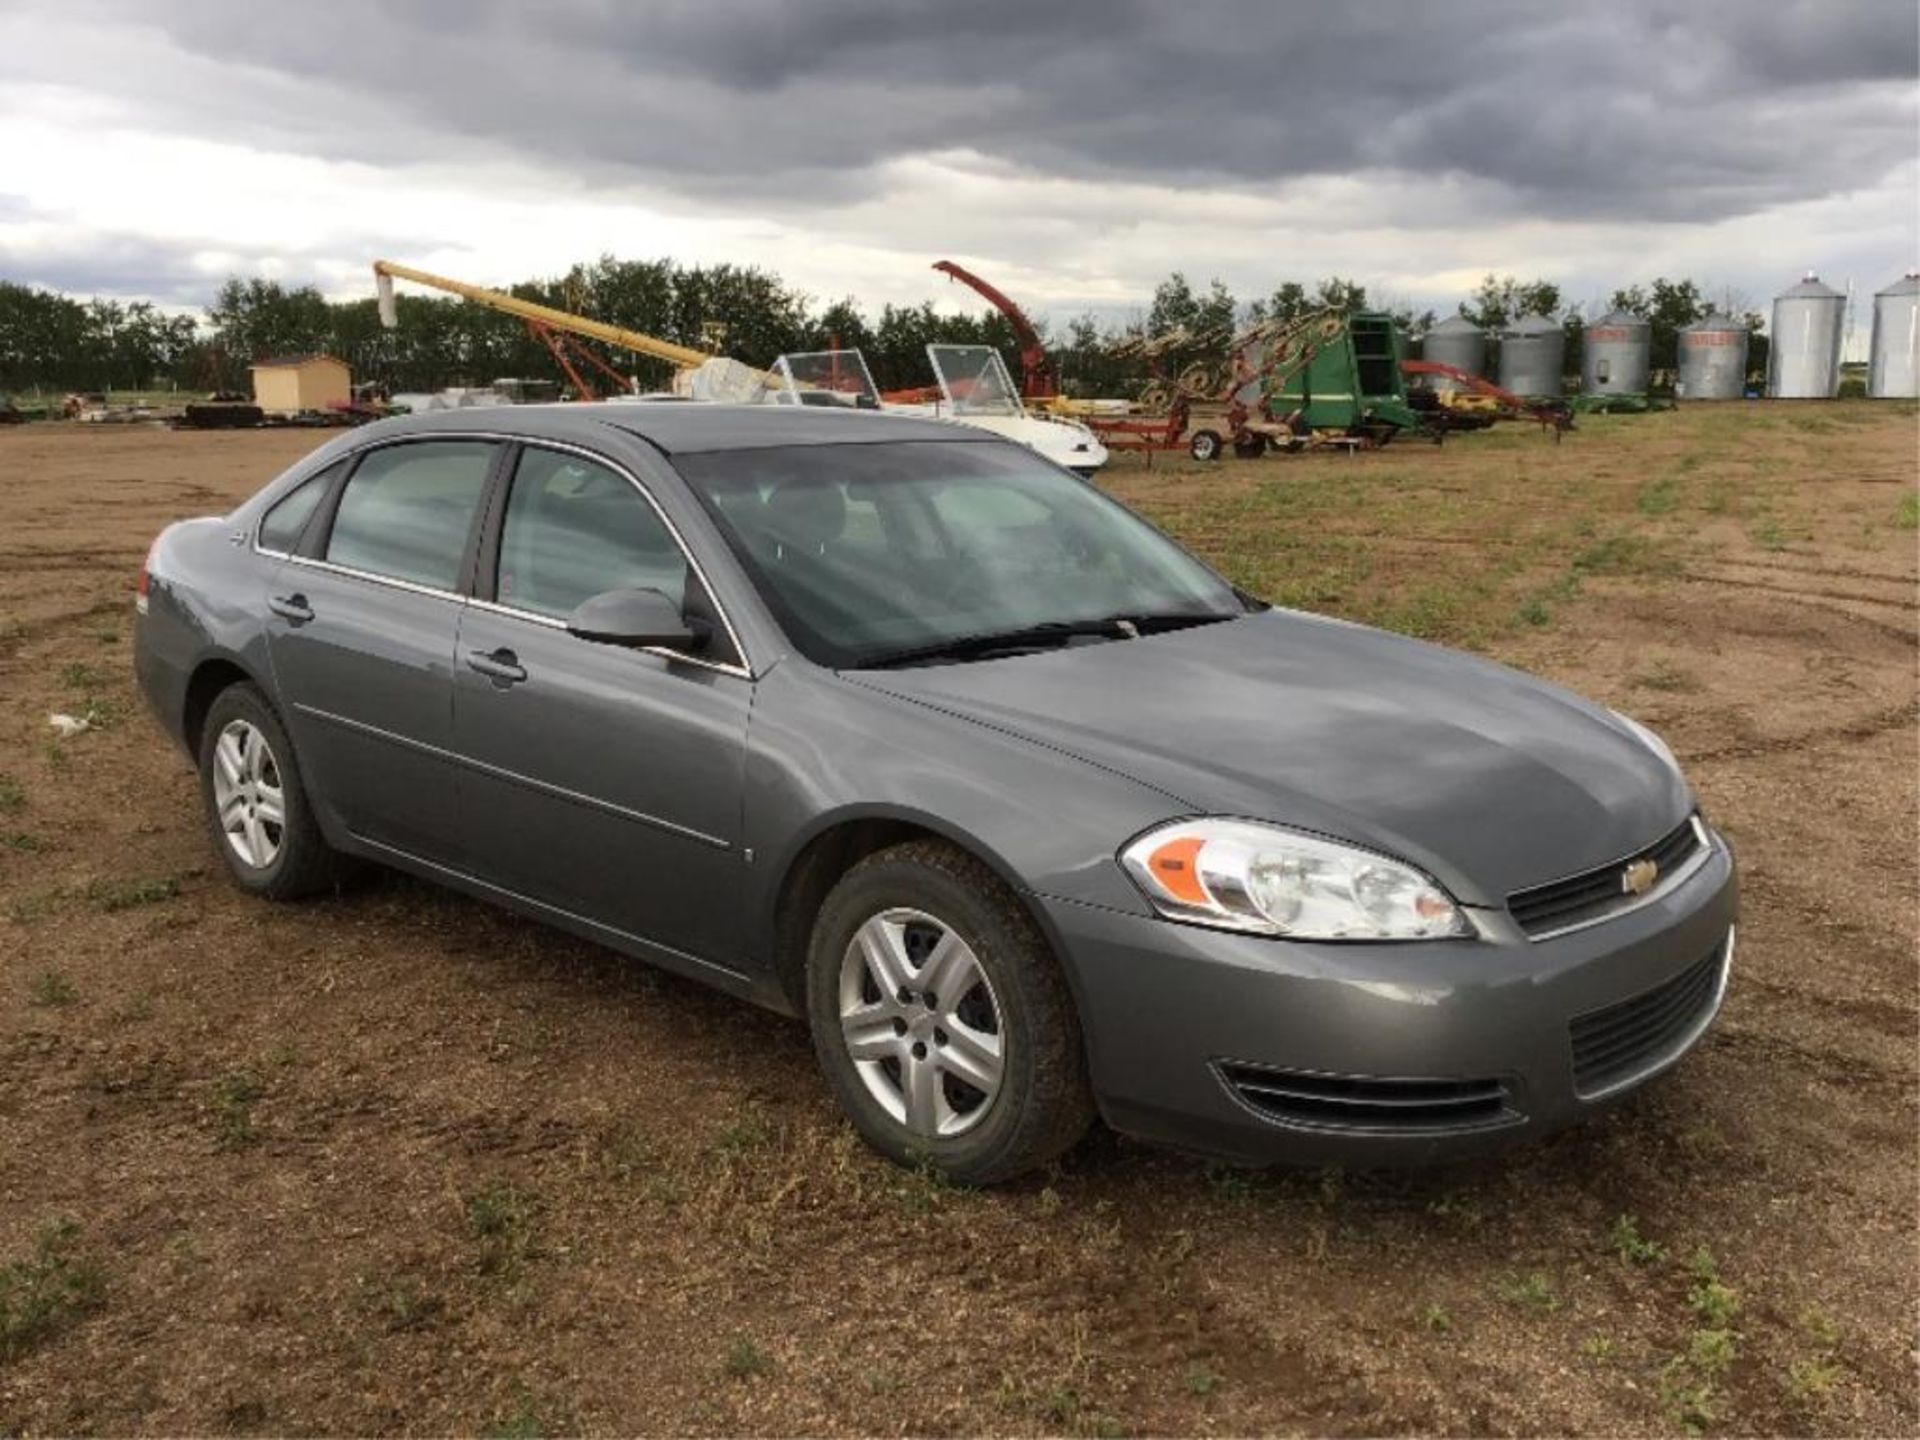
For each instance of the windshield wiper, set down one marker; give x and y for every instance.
(1048, 632)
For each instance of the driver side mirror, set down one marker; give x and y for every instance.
(637, 618)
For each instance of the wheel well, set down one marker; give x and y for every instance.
(203, 689)
(815, 871)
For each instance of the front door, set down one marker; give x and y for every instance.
(362, 637)
(603, 781)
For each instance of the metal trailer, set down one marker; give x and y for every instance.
(1893, 365)
(1533, 352)
(1458, 343)
(1616, 354)
(1475, 402)
(1803, 358)
(1713, 360)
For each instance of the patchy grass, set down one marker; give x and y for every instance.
(234, 1096)
(1907, 516)
(47, 1291)
(34, 905)
(398, 1306)
(1532, 1291)
(745, 1360)
(522, 1422)
(1713, 1302)
(116, 895)
(1665, 677)
(749, 1132)
(500, 1218)
(22, 842)
(1659, 496)
(12, 794)
(51, 990)
(1626, 1241)
(1202, 1380)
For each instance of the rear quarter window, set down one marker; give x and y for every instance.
(284, 524)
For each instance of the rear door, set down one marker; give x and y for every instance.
(364, 619)
(603, 781)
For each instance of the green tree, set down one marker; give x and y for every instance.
(1501, 300)
(1668, 306)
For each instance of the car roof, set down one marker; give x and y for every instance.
(696, 427)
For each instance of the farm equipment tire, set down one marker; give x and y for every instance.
(1205, 445)
(1250, 447)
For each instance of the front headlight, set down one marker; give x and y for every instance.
(1239, 875)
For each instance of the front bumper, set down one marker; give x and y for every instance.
(1391, 1054)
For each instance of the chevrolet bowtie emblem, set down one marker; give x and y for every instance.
(1638, 878)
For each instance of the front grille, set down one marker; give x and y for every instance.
(1595, 894)
(1625, 1039)
(1345, 1102)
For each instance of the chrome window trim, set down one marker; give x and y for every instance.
(413, 587)
(678, 657)
(743, 670)
(1666, 887)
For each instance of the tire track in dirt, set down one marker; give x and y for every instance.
(1792, 592)
(1899, 718)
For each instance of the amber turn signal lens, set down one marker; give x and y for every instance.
(1175, 866)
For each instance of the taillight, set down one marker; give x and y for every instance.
(145, 580)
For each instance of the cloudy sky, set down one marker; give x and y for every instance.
(1073, 151)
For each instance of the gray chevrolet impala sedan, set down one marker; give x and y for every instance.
(896, 727)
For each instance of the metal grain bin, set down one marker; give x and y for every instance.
(1458, 342)
(1803, 360)
(1713, 359)
(1615, 352)
(1533, 351)
(1893, 365)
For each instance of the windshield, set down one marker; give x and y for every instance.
(822, 377)
(864, 551)
(974, 379)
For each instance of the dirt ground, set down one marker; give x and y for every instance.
(394, 1161)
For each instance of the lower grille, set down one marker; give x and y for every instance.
(1345, 1102)
(1595, 894)
(1623, 1040)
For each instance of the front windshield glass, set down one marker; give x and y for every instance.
(866, 550)
(974, 379)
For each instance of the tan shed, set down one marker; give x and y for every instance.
(289, 384)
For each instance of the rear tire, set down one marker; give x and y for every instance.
(256, 804)
(1205, 446)
(982, 1083)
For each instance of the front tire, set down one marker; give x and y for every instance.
(256, 804)
(1204, 446)
(942, 1020)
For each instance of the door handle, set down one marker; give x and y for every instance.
(292, 607)
(501, 666)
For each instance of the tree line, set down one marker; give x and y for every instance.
(52, 341)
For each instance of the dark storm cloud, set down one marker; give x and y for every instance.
(1643, 108)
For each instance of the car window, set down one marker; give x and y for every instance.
(280, 531)
(575, 529)
(407, 509)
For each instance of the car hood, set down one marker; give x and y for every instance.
(1489, 779)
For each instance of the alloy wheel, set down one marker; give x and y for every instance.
(921, 1023)
(247, 794)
